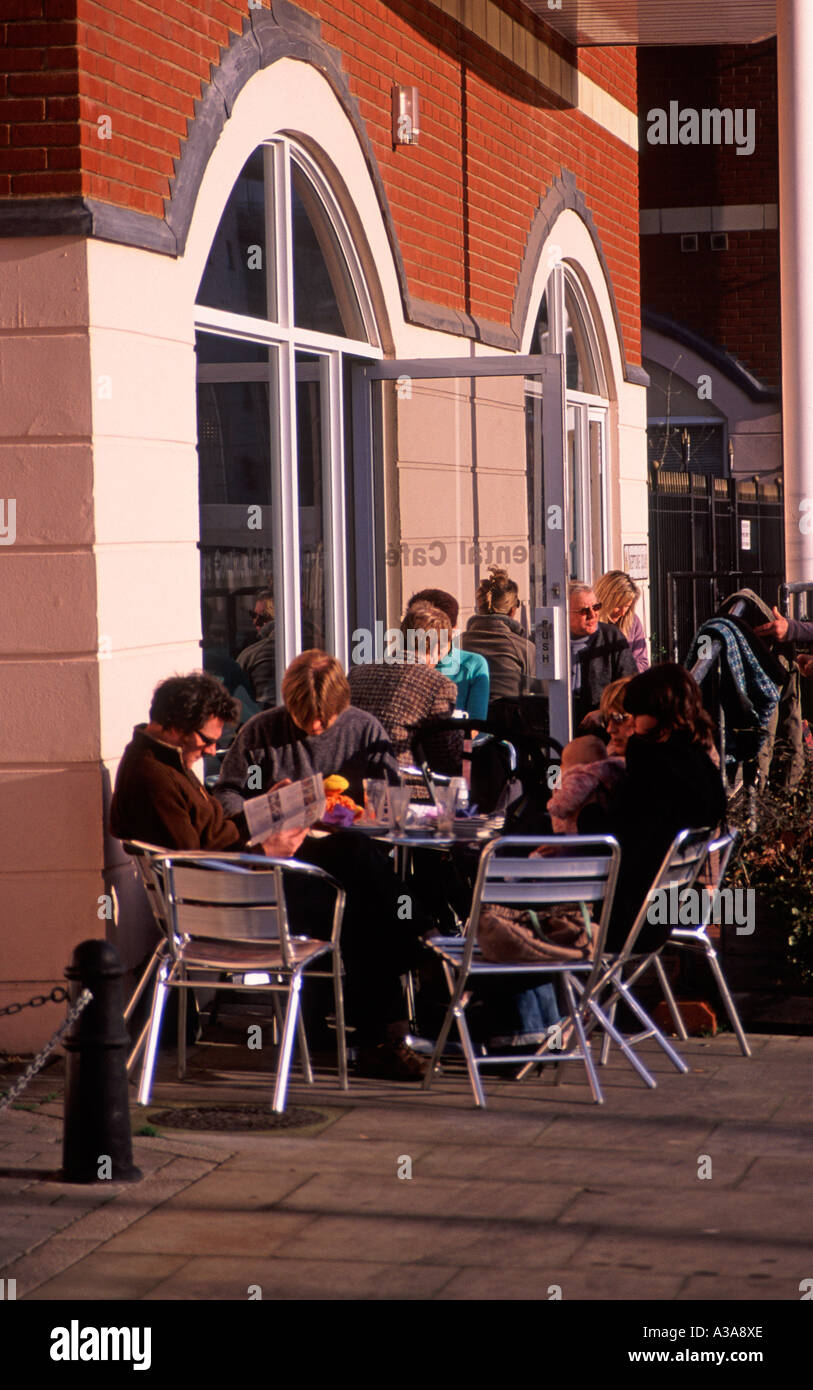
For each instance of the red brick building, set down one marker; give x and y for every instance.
(710, 261)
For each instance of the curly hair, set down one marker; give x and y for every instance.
(672, 697)
(438, 598)
(315, 687)
(498, 594)
(186, 702)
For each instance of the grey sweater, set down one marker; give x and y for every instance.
(356, 746)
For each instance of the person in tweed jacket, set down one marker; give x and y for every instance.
(407, 692)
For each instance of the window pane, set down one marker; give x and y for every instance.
(324, 297)
(309, 412)
(580, 368)
(542, 341)
(236, 277)
(237, 449)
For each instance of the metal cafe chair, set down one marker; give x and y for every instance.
(579, 868)
(696, 939)
(144, 857)
(679, 870)
(228, 917)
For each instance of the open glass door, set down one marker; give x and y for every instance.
(459, 464)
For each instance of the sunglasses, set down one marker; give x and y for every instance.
(616, 719)
(204, 741)
(586, 612)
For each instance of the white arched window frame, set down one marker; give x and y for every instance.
(571, 332)
(297, 355)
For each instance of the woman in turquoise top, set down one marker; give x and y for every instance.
(468, 670)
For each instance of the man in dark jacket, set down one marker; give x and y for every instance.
(599, 653)
(159, 799)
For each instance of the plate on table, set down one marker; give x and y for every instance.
(476, 827)
(364, 826)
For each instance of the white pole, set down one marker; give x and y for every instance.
(795, 91)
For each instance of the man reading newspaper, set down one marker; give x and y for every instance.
(159, 799)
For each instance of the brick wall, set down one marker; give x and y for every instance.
(729, 297)
(463, 200)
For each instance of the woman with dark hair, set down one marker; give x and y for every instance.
(495, 633)
(671, 785)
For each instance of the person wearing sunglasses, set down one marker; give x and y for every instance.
(258, 660)
(158, 798)
(599, 653)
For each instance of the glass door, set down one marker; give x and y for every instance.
(459, 466)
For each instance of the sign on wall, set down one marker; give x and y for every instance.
(636, 560)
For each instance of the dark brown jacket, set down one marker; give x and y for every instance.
(158, 801)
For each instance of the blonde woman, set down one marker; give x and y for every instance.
(618, 596)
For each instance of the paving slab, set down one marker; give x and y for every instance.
(101, 1277)
(558, 1283)
(743, 1214)
(756, 1289)
(446, 1197)
(178, 1230)
(667, 1251)
(289, 1279)
(435, 1241)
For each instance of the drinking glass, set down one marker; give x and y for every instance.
(399, 799)
(446, 801)
(375, 799)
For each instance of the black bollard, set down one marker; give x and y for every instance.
(96, 1142)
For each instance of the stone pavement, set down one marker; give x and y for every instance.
(543, 1189)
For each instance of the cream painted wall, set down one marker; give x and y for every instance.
(50, 792)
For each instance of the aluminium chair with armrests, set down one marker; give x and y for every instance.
(578, 868)
(228, 917)
(695, 938)
(679, 869)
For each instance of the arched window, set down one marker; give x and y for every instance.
(282, 310)
(565, 325)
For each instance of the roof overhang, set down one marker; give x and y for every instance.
(659, 22)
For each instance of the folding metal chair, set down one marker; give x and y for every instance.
(696, 939)
(144, 857)
(679, 870)
(576, 869)
(229, 917)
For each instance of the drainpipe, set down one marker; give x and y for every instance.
(795, 99)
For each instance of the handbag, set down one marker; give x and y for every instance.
(512, 936)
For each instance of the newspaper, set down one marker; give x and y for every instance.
(289, 808)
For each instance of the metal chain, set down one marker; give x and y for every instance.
(42, 1057)
(58, 995)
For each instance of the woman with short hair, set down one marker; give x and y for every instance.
(407, 691)
(618, 595)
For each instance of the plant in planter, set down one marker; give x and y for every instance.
(776, 860)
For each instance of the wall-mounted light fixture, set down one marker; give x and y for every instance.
(405, 116)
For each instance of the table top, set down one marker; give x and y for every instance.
(424, 837)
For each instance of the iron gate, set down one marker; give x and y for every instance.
(708, 537)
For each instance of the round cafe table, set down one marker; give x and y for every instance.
(403, 842)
